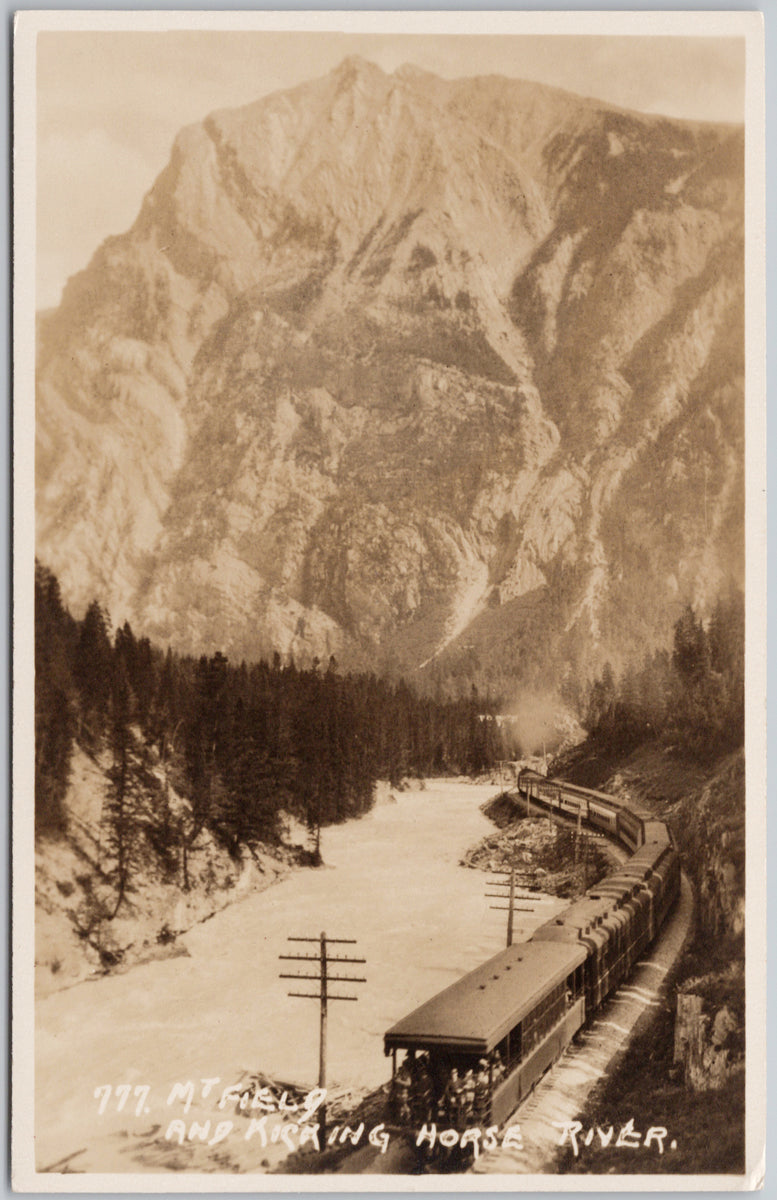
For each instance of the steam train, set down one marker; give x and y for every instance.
(508, 1021)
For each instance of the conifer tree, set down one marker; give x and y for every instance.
(93, 668)
(123, 814)
(55, 712)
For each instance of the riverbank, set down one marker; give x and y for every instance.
(74, 942)
(547, 854)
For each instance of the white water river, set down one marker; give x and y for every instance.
(391, 880)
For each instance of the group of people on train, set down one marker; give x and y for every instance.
(458, 1097)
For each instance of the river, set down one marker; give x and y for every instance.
(391, 880)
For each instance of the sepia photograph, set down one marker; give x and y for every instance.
(389, 614)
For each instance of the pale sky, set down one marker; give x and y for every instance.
(110, 104)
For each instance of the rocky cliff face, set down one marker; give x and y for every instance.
(411, 371)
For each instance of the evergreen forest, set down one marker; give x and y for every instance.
(692, 695)
(241, 744)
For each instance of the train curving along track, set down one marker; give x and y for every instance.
(554, 1104)
(477, 1050)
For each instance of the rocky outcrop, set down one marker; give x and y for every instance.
(709, 1046)
(76, 938)
(386, 358)
(713, 844)
(704, 806)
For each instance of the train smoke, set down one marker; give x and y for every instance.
(539, 722)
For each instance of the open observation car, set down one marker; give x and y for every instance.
(510, 1017)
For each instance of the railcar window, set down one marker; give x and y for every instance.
(542, 1019)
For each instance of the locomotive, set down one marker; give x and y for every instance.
(510, 1019)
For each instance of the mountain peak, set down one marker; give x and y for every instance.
(354, 66)
(390, 356)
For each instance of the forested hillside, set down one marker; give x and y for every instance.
(695, 693)
(167, 787)
(241, 743)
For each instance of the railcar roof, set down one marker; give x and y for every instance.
(613, 801)
(635, 809)
(618, 885)
(656, 834)
(476, 1012)
(583, 914)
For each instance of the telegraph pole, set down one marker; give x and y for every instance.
(323, 979)
(511, 906)
(322, 1029)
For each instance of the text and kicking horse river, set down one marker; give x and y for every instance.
(391, 881)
